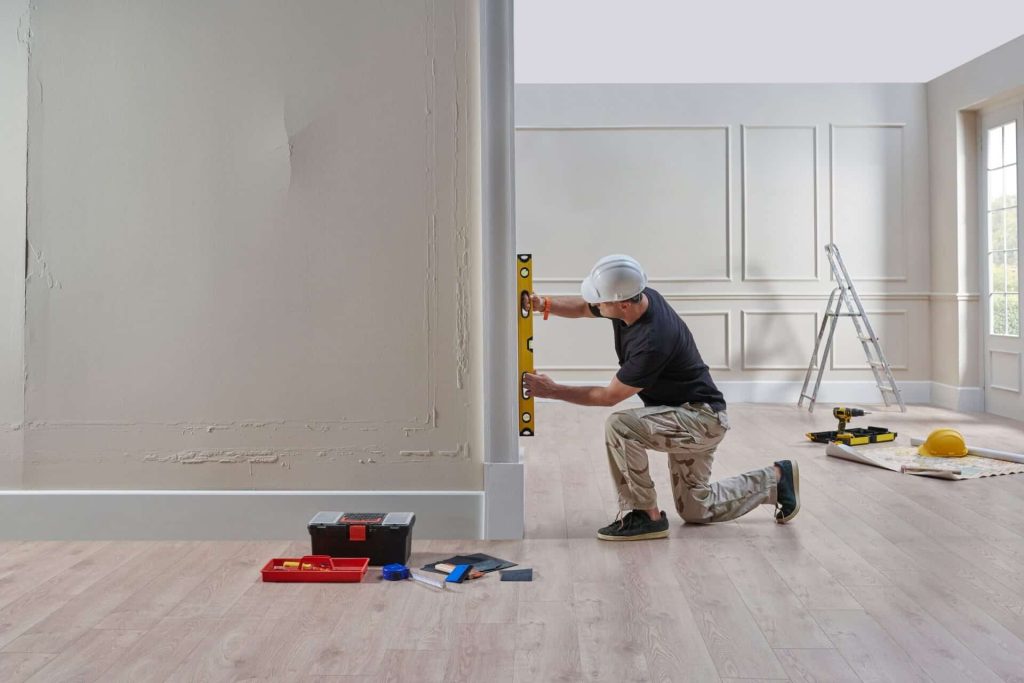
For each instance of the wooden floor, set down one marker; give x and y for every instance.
(882, 576)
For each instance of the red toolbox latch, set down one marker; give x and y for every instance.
(357, 532)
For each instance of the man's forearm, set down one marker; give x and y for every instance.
(583, 396)
(567, 306)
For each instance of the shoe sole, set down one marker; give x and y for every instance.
(638, 537)
(796, 491)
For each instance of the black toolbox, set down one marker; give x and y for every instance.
(384, 537)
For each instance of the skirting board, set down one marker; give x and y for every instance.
(962, 399)
(223, 515)
(505, 500)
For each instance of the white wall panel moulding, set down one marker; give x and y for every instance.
(602, 185)
(779, 203)
(894, 337)
(867, 208)
(1004, 369)
(768, 342)
(953, 296)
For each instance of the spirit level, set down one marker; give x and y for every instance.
(524, 287)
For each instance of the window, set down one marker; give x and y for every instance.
(1001, 181)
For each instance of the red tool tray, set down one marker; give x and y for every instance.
(326, 569)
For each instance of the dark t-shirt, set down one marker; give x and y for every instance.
(657, 353)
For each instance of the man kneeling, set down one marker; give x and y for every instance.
(683, 414)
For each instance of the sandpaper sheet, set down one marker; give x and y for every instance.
(517, 574)
(480, 561)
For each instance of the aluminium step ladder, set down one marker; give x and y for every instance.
(844, 296)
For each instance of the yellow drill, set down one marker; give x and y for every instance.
(844, 415)
(852, 436)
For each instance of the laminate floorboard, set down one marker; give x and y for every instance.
(881, 577)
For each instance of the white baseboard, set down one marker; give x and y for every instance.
(962, 399)
(223, 515)
(505, 500)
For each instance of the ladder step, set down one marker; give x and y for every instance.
(849, 301)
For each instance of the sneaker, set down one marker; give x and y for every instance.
(635, 525)
(788, 492)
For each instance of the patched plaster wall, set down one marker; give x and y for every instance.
(14, 42)
(251, 236)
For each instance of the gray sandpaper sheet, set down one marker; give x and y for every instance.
(480, 561)
(525, 574)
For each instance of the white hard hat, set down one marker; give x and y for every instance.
(614, 278)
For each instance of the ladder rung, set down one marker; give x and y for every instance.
(849, 301)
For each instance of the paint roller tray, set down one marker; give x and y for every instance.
(322, 569)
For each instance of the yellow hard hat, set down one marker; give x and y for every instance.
(944, 443)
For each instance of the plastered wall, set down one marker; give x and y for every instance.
(251, 231)
(953, 99)
(14, 27)
(727, 195)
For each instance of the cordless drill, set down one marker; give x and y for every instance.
(844, 415)
(853, 436)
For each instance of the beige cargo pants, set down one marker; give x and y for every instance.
(689, 434)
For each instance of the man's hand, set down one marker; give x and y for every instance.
(539, 386)
(560, 306)
(542, 386)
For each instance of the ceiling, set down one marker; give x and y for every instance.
(755, 41)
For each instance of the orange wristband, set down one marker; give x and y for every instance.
(547, 307)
